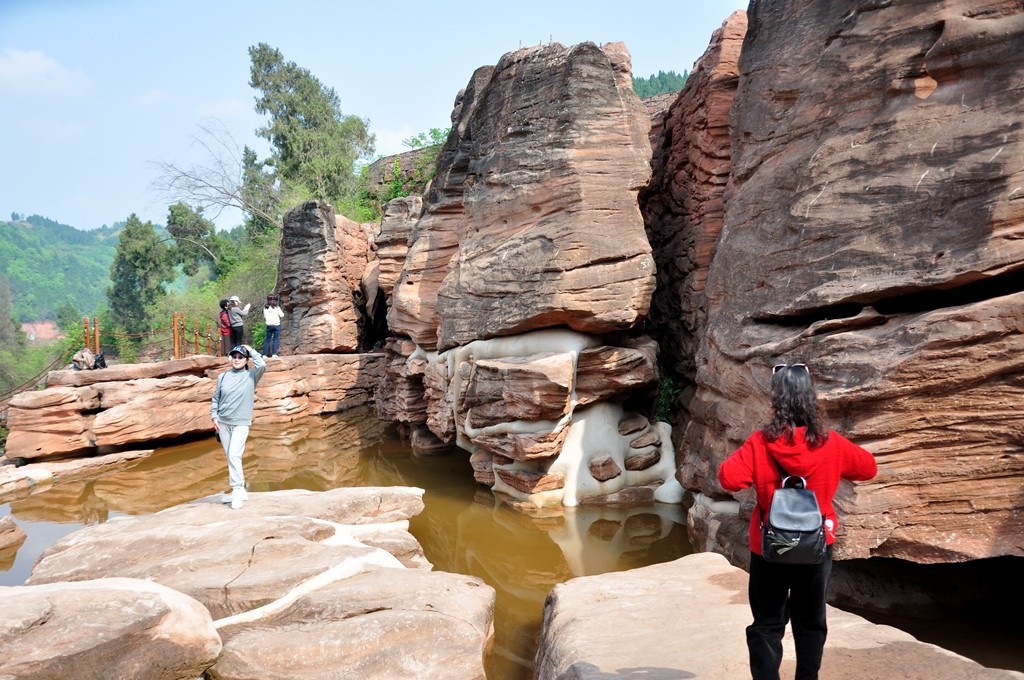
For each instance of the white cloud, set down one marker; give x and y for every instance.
(35, 73)
(224, 109)
(152, 98)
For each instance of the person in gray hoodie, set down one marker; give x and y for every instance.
(231, 411)
(237, 314)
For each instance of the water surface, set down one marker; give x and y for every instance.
(464, 528)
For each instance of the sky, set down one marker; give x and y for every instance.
(94, 94)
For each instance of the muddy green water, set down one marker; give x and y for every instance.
(464, 528)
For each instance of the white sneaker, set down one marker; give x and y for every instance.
(237, 497)
(225, 496)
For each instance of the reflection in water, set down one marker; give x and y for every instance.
(464, 528)
(468, 530)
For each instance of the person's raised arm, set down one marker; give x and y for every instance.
(259, 364)
(737, 471)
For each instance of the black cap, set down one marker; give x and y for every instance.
(238, 349)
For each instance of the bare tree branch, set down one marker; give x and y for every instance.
(216, 185)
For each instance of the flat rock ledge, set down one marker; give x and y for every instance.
(686, 619)
(296, 584)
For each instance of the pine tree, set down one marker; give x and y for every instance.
(140, 269)
(315, 145)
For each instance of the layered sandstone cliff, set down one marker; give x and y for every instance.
(88, 413)
(874, 229)
(527, 275)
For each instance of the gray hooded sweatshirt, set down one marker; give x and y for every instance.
(235, 393)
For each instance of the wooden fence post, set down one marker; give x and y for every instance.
(85, 332)
(174, 332)
(196, 351)
(96, 332)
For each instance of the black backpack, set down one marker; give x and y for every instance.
(795, 530)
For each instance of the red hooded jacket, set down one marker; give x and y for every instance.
(751, 466)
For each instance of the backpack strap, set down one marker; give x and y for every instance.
(782, 481)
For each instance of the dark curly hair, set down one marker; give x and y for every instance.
(794, 404)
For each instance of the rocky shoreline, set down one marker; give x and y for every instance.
(331, 584)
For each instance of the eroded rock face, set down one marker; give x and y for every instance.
(532, 220)
(684, 204)
(92, 412)
(336, 572)
(524, 278)
(111, 627)
(380, 624)
(434, 239)
(875, 231)
(548, 416)
(392, 240)
(315, 285)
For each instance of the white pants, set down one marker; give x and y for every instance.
(232, 438)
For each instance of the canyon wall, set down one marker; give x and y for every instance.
(873, 229)
(528, 276)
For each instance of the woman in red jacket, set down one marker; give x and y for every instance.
(795, 439)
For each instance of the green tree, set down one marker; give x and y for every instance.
(659, 83)
(260, 196)
(11, 334)
(141, 267)
(436, 137)
(68, 316)
(315, 145)
(229, 177)
(193, 237)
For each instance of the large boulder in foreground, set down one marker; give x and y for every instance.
(124, 628)
(379, 625)
(532, 220)
(637, 626)
(874, 230)
(336, 573)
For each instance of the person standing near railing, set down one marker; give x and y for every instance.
(225, 328)
(272, 315)
(237, 313)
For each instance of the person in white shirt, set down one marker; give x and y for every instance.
(272, 314)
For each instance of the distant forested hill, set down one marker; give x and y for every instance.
(48, 264)
(659, 83)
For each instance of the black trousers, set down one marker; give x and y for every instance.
(236, 335)
(780, 593)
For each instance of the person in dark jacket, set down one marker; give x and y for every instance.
(225, 328)
(779, 593)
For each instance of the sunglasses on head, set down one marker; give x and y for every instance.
(778, 367)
